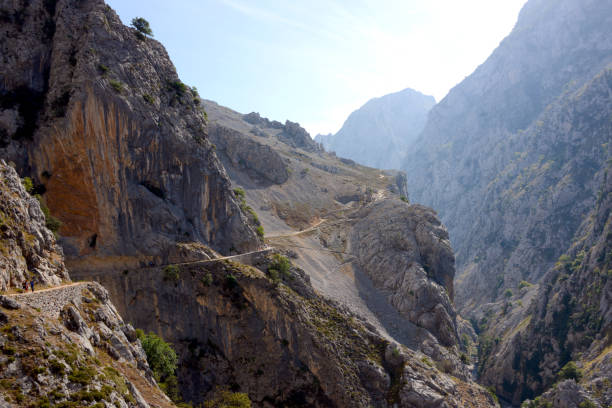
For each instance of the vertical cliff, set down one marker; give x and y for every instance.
(115, 142)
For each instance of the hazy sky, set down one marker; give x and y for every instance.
(316, 61)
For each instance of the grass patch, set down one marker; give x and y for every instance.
(82, 375)
(116, 85)
(171, 273)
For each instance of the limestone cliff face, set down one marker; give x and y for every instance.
(99, 117)
(259, 161)
(405, 249)
(27, 248)
(513, 156)
(281, 343)
(68, 346)
(569, 319)
(378, 133)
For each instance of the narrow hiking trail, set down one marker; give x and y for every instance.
(292, 234)
(45, 289)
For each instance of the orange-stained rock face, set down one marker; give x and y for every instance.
(119, 143)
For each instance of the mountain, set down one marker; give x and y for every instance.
(510, 173)
(379, 133)
(241, 243)
(515, 160)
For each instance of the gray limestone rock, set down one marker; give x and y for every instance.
(405, 249)
(140, 173)
(28, 248)
(9, 303)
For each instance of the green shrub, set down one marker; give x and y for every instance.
(103, 69)
(207, 279)
(116, 85)
(170, 387)
(82, 375)
(281, 264)
(587, 404)
(274, 276)
(171, 273)
(539, 402)
(464, 358)
(239, 192)
(142, 26)
(140, 333)
(570, 372)
(508, 293)
(53, 223)
(260, 231)
(223, 398)
(28, 184)
(160, 355)
(524, 284)
(50, 221)
(491, 390)
(231, 281)
(148, 98)
(404, 198)
(56, 367)
(178, 87)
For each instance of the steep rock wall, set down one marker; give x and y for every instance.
(117, 141)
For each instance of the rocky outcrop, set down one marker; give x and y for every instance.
(98, 116)
(27, 248)
(290, 133)
(259, 161)
(255, 118)
(296, 136)
(378, 133)
(513, 156)
(405, 249)
(566, 394)
(278, 341)
(68, 346)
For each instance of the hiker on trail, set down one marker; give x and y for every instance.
(24, 285)
(32, 284)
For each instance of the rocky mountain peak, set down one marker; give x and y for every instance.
(378, 133)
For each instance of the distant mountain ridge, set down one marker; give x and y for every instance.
(378, 133)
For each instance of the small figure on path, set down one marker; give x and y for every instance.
(24, 285)
(32, 284)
